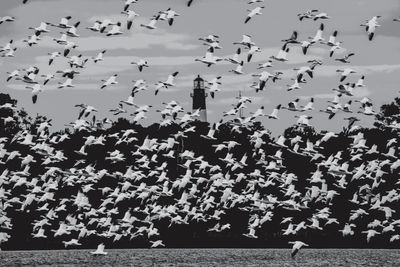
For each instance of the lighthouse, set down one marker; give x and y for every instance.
(199, 98)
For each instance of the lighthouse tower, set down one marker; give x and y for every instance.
(199, 98)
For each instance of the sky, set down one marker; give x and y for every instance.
(175, 48)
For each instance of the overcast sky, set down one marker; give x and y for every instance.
(174, 48)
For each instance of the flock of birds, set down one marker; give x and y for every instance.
(204, 192)
(77, 63)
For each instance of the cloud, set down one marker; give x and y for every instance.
(54, 86)
(330, 70)
(141, 40)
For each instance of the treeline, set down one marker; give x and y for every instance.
(132, 186)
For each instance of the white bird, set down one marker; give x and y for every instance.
(246, 41)
(360, 82)
(42, 28)
(10, 53)
(13, 74)
(115, 30)
(253, 49)
(6, 19)
(99, 250)
(128, 3)
(345, 72)
(152, 24)
(209, 59)
(318, 36)
(32, 40)
(167, 83)
(141, 63)
(282, 54)
(345, 59)
(63, 23)
(274, 113)
(7, 46)
(66, 83)
(239, 69)
(297, 245)
(53, 56)
(156, 244)
(304, 46)
(36, 89)
(235, 58)
(99, 56)
(104, 24)
(267, 64)
(370, 26)
(47, 78)
(170, 15)
(131, 16)
(322, 15)
(255, 1)
(72, 30)
(95, 27)
(110, 81)
(254, 12)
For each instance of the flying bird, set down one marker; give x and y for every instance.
(297, 245)
(110, 81)
(254, 12)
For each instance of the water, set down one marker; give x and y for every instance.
(203, 257)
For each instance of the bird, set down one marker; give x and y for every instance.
(53, 56)
(157, 243)
(115, 30)
(246, 41)
(318, 36)
(282, 54)
(235, 58)
(131, 16)
(63, 24)
(99, 250)
(360, 82)
(345, 59)
(292, 39)
(321, 15)
(110, 81)
(274, 113)
(47, 78)
(292, 106)
(297, 245)
(345, 72)
(304, 46)
(263, 78)
(209, 59)
(41, 29)
(169, 82)
(99, 56)
(239, 68)
(66, 83)
(253, 49)
(36, 89)
(254, 12)
(309, 14)
(128, 3)
(141, 63)
(370, 26)
(95, 27)
(267, 64)
(72, 30)
(6, 19)
(170, 16)
(152, 24)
